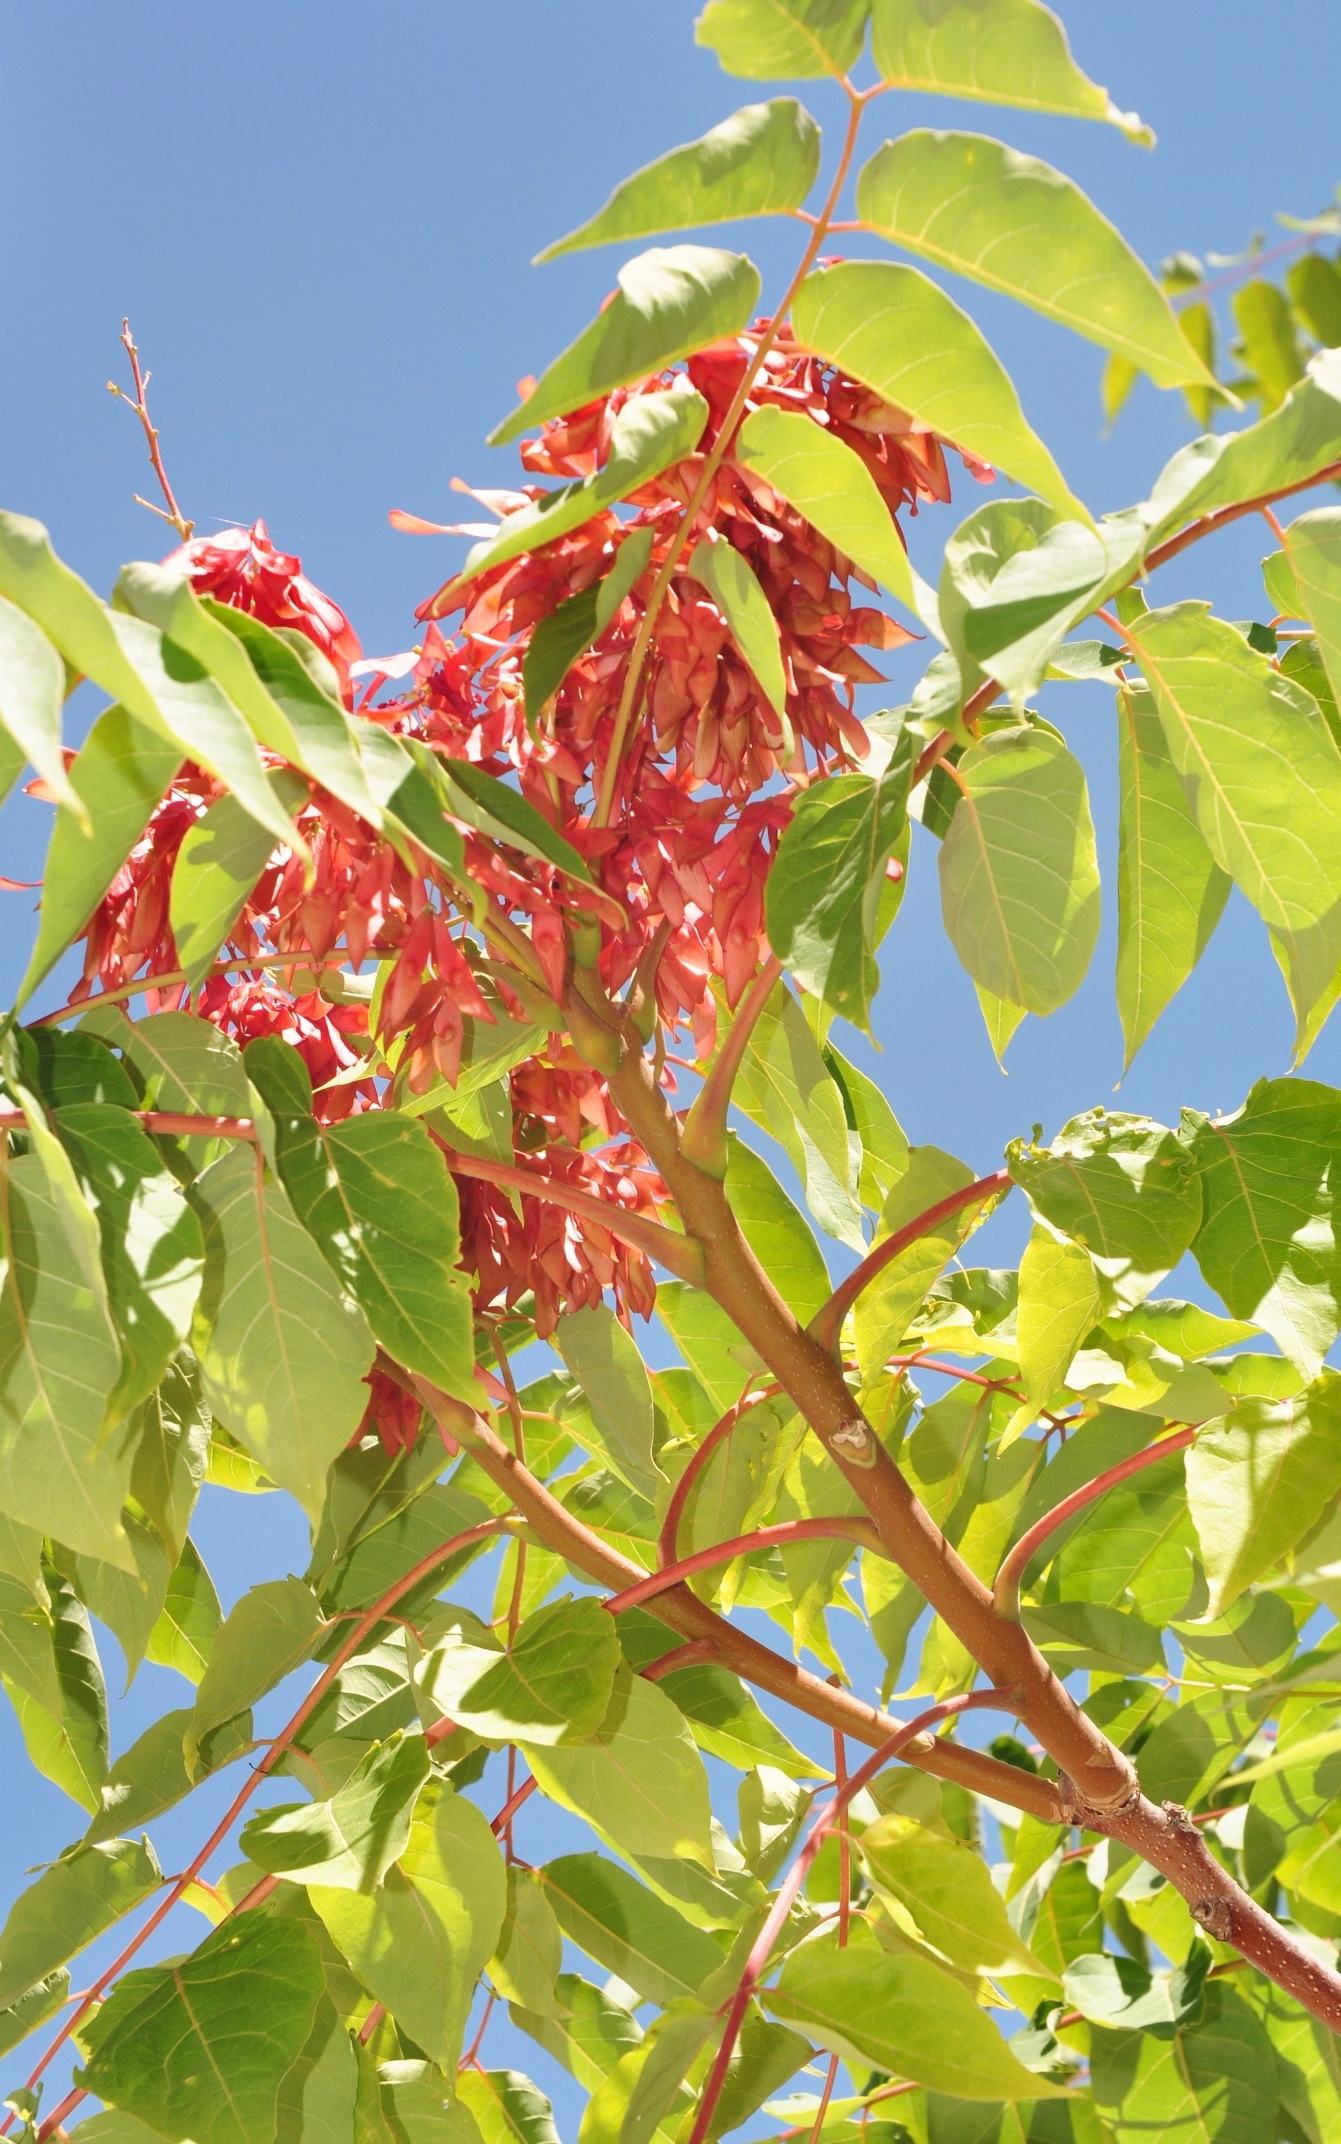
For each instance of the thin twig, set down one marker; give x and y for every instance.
(140, 405)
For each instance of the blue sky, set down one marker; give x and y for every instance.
(320, 220)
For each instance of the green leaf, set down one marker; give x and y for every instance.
(1270, 346)
(503, 810)
(183, 1635)
(152, 1251)
(792, 40)
(671, 300)
(650, 432)
(997, 51)
(1313, 557)
(638, 2096)
(715, 1349)
(1017, 576)
(1258, 1480)
(885, 1308)
(218, 864)
(1267, 1243)
(128, 1603)
(318, 2097)
(506, 2107)
(1011, 222)
(62, 1069)
(902, 2015)
(1215, 2079)
(730, 581)
(892, 328)
(761, 161)
(829, 483)
(418, 2108)
(59, 1361)
(554, 1684)
(1019, 872)
(1171, 891)
(119, 774)
(419, 1943)
(282, 1349)
(785, 1086)
(33, 2008)
(151, 1775)
(1059, 1302)
(606, 1363)
(179, 1062)
(884, 1143)
(568, 631)
(350, 1841)
(375, 1195)
(1118, 1992)
(776, 1232)
(591, 2034)
(88, 1890)
(312, 729)
(269, 1632)
(627, 1928)
(184, 703)
(639, 1781)
(727, 1723)
(823, 894)
(402, 1538)
(943, 1887)
(1263, 774)
(526, 1965)
(199, 2048)
(1123, 1187)
(32, 694)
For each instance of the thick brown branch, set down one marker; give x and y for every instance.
(1105, 1793)
(692, 1619)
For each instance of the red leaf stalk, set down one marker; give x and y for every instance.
(668, 1543)
(756, 1965)
(1006, 1592)
(858, 1530)
(368, 1621)
(827, 1323)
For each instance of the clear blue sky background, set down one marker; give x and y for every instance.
(320, 219)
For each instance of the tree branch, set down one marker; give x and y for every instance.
(827, 1324)
(679, 1254)
(704, 1139)
(756, 1965)
(1006, 1592)
(691, 1618)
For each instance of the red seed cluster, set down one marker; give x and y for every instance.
(702, 795)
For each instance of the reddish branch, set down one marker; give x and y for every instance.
(1006, 1593)
(692, 1619)
(827, 1324)
(367, 1621)
(756, 1965)
(859, 1531)
(140, 405)
(668, 1543)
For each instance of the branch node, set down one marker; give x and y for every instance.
(1215, 1915)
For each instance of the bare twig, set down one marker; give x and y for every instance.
(140, 405)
